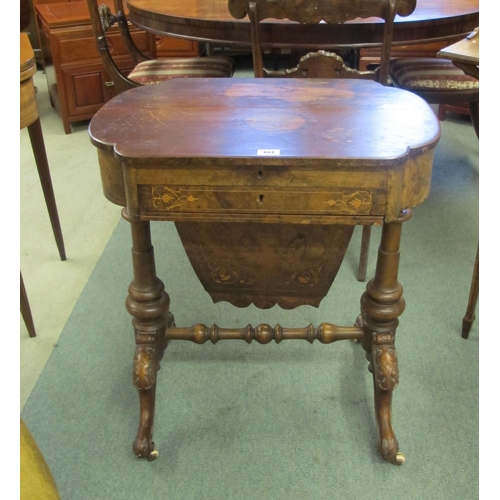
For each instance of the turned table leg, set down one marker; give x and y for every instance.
(381, 305)
(148, 303)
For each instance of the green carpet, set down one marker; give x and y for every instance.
(288, 421)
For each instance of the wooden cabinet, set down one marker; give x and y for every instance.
(78, 84)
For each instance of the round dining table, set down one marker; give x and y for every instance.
(210, 21)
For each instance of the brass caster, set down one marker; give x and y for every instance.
(400, 459)
(141, 451)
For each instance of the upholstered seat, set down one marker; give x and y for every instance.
(36, 480)
(427, 73)
(156, 71)
(438, 81)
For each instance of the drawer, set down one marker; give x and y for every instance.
(175, 47)
(258, 174)
(258, 188)
(216, 199)
(82, 48)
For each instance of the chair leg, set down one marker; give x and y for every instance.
(26, 311)
(38, 145)
(441, 114)
(474, 288)
(474, 116)
(363, 255)
(470, 315)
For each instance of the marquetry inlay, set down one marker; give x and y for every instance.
(357, 203)
(165, 198)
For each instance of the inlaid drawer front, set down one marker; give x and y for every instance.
(339, 201)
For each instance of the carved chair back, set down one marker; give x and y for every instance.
(321, 64)
(102, 19)
(121, 19)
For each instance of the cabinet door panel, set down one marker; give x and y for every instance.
(87, 90)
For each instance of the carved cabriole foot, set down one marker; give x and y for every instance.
(148, 304)
(385, 380)
(381, 305)
(145, 367)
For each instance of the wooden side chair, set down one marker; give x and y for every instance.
(323, 64)
(320, 63)
(148, 71)
(465, 55)
(441, 81)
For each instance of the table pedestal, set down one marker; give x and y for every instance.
(154, 326)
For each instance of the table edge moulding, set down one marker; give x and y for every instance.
(210, 21)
